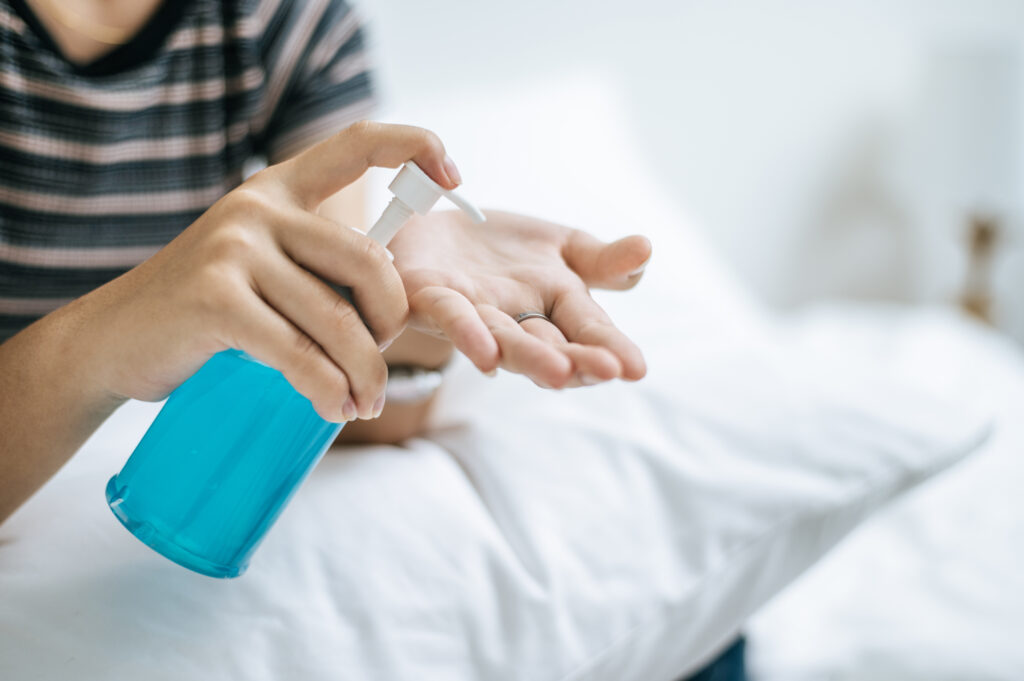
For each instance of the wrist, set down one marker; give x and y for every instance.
(415, 363)
(79, 355)
(50, 403)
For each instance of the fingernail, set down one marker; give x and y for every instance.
(589, 379)
(385, 345)
(492, 373)
(349, 411)
(378, 406)
(640, 270)
(453, 173)
(637, 272)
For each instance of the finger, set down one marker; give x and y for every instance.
(327, 167)
(583, 321)
(449, 312)
(618, 265)
(350, 258)
(544, 330)
(592, 365)
(262, 332)
(333, 323)
(526, 354)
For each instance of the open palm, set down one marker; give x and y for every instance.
(467, 282)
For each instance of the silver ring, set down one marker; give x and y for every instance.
(523, 316)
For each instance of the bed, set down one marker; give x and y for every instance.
(620, 532)
(931, 588)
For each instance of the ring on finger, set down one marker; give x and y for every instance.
(523, 316)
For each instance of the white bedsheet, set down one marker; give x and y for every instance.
(933, 588)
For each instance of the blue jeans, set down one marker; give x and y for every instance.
(729, 666)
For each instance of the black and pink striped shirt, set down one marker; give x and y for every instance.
(103, 164)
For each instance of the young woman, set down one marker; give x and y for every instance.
(131, 250)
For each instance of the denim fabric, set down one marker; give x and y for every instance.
(729, 666)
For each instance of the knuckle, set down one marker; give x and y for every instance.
(305, 352)
(233, 243)
(371, 254)
(344, 315)
(592, 329)
(252, 198)
(361, 126)
(267, 190)
(217, 290)
(431, 143)
(362, 129)
(258, 181)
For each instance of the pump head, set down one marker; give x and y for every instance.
(415, 192)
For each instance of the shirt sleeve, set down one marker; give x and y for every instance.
(320, 78)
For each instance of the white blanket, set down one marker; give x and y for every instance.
(623, 532)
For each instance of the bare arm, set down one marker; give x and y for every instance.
(51, 400)
(248, 274)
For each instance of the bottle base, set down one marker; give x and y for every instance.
(162, 543)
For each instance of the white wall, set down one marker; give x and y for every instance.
(800, 133)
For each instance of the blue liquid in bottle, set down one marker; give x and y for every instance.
(217, 466)
(234, 442)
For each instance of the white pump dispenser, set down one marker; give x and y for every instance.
(414, 192)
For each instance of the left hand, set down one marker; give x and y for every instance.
(467, 282)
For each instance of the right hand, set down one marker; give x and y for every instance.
(250, 274)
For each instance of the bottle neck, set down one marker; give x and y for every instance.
(390, 221)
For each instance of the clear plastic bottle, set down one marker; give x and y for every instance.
(233, 443)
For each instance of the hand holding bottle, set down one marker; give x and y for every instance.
(251, 274)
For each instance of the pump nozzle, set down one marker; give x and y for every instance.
(415, 192)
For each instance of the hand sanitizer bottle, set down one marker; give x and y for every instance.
(234, 442)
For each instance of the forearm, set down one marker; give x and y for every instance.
(50, 403)
(400, 421)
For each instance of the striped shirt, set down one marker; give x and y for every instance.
(103, 164)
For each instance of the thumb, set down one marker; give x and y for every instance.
(617, 265)
(340, 160)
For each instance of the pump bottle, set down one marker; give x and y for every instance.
(234, 442)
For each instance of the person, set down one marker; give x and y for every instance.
(132, 250)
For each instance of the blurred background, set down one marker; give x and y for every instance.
(854, 149)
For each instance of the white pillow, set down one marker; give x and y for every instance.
(622, 532)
